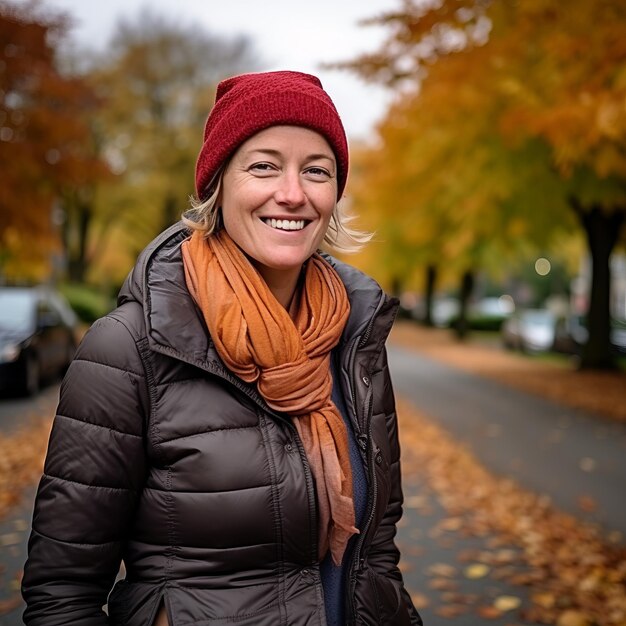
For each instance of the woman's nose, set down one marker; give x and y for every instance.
(289, 190)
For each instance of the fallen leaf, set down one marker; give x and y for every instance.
(507, 603)
(12, 603)
(442, 569)
(544, 599)
(443, 584)
(451, 610)
(415, 502)
(488, 612)
(476, 570)
(587, 464)
(572, 618)
(11, 539)
(451, 523)
(587, 504)
(420, 601)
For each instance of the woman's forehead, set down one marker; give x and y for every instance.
(281, 139)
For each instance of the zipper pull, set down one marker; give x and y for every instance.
(362, 439)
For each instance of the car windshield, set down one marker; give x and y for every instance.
(16, 311)
(538, 318)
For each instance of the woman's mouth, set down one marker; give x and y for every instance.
(285, 224)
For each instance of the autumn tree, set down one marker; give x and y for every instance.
(44, 146)
(552, 89)
(443, 180)
(157, 78)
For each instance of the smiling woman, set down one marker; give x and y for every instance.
(279, 192)
(244, 458)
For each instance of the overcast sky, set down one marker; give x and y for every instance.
(288, 34)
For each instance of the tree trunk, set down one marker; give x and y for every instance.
(171, 211)
(396, 286)
(431, 281)
(77, 257)
(602, 229)
(467, 286)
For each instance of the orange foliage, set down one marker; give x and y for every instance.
(44, 138)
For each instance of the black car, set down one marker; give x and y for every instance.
(37, 337)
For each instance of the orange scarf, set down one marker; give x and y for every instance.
(289, 360)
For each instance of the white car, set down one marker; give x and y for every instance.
(530, 330)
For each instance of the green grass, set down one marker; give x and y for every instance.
(88, 302)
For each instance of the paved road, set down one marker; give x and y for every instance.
(14, 531)
(16, 412)
(562, 452)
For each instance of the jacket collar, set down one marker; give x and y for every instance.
(175, 326)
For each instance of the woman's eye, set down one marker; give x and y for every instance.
(261, 167)
(318, 172)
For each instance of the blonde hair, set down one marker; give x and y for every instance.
(205, 216)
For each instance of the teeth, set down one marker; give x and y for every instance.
(285, 224)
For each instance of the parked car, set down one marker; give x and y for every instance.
(529, 330)
(37, 337)
(571, 335)
(444, 310)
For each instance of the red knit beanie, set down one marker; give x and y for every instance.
(246, 104)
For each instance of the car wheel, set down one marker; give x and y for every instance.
(32, 376)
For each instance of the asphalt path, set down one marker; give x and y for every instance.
(17, 412)
(567, 454)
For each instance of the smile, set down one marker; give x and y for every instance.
(285, 224)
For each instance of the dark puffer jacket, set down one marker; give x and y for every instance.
(163, 458)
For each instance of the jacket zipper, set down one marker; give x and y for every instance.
(364, 441)
(356, 563)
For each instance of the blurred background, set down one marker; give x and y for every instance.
(491, 170)
(488, 143)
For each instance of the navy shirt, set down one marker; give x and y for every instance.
(333, 576)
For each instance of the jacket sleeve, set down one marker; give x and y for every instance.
(384, 556)
(93, 475)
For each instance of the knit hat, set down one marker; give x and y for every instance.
(246, 104)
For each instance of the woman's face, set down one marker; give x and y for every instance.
(279, 191)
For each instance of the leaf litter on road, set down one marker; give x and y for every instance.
(602, 392)
(574, 575)
(22, 455)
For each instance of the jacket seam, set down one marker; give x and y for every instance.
(182, 381)
(77, 482)
(372, 578)
(230, 618)
(114, 367)
(88, 423)
(208, 432)
(75, 543)
(232, 490)
(171, 549)
(143, 350)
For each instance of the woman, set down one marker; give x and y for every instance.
(229, 430)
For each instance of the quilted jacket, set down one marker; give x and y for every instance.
(163, 459)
